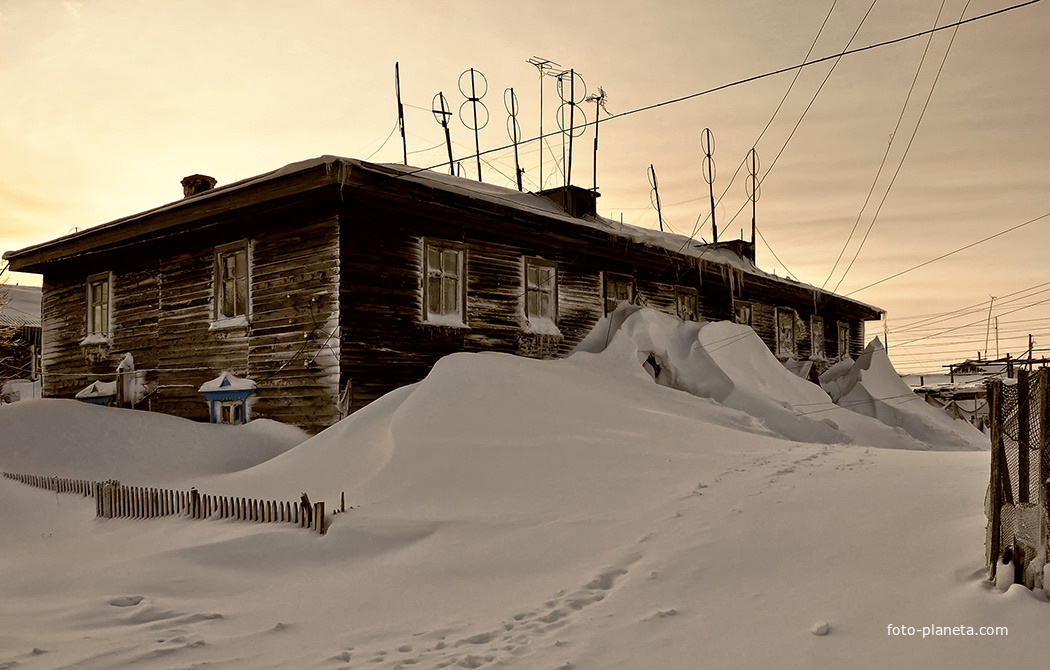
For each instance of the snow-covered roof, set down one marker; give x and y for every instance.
(19, 305)
(97, 389)
(227, 381)
(338, 169)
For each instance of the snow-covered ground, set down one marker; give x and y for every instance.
(529, 514)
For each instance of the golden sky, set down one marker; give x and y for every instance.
(107, 104)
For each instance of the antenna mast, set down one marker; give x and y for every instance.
(598, 99)
(400, 110)
(654, 196)
(753, 188)
(572, 102)
(474, 98)
(541, 65)
(707, 143)
(439, 108)
(510, 102)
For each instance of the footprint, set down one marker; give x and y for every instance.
(607, 579)
(126, 601)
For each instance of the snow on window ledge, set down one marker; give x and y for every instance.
(445, 320)
(96, 339)
(228, 322)
(541, 326)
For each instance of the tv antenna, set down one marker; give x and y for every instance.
(400, 110)
(599, 100)
(753, 186)
(477, 86)
(510, 102)
(707, 143)
(544, 67)
(439, 108)
(654, 195)
(572, 94)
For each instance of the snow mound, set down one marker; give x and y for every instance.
(871, 387)
(67, 438)
(730, 364)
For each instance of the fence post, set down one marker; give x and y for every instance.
(319, 517)
(1024, 441)
(995, 484)
(1044, 460)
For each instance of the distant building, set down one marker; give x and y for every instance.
(19, 333)
(332, 281)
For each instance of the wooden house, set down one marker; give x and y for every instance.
(333, 281)
(19, 332)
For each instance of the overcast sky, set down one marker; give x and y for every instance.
(107, 104)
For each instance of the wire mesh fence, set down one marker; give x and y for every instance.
(1017, 494)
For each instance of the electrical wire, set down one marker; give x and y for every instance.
(950, 253)
(889, 145)
(904, 157)
(751, 79)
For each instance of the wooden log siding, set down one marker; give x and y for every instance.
(337, 282)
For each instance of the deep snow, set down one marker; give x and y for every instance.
(519, 513)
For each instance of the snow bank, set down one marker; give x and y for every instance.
(871, 387)
(730, 364)
(67, 438)
(519, 513)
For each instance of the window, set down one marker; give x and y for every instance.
(686, 303)
(785, 333)
(843, 328)
(443, 288)
(742, 313)
(541, 290)
(232, 279)
(232, 412)
(99, 305)
(618, 288)
(816, 336)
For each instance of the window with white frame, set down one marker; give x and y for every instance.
(443, 288)
(816, 336)
(99, 305)
(541, 290)
(686, 303)
(232, 282)
(618, 288)
(785, 333)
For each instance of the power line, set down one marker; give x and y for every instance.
(889, 145)
(904, 157)
(950, 253)
(751, 79)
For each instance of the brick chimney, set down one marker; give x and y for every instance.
(197, 183)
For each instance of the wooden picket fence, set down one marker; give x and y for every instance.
(114, 500)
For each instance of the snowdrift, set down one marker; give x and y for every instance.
(66, 438)
(509, 512)
(728, 363)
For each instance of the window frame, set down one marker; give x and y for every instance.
(219, 318)
(689, 293)
(817, 337)
(616, 277)
(551, 291)
(786, 349)
(743, 308)
(453, 318)
(92, 331)
(843, 343)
